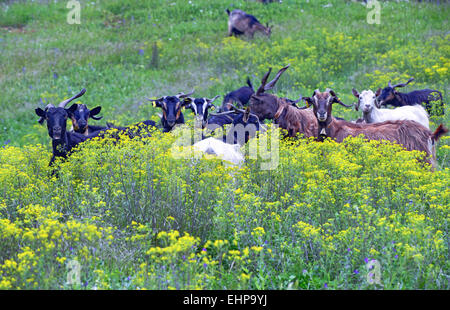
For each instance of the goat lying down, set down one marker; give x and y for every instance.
(389, 95)
(372, 112)
(227, 152)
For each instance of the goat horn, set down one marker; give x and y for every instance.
(183, 95)
(213, 99)
(65, 102)
(343, 104)
(272, 83)
(246, 111)
(305, 106)
(223, 113)
(153, 99)
(263, 82)
(236, 109)
(403, 84)
(299, 99)
(336, 98)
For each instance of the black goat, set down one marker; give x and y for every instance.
(62, 140)
(171, 108)
(245, 125)
(389, 95)
(200, 107)
(81, 117)
(240, 121)
(239, 97)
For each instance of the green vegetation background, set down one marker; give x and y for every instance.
(133, 216)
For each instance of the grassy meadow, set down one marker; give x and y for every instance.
(131, 215)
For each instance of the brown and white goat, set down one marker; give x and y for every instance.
(410, 134)
(240, 22)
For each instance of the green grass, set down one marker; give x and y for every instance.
(312, 223)
(102, 54)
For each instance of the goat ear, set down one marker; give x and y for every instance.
(308, 101)
(156, 102)
(355, 93)
(378, 92)
(186, 101)
(41, 113)
(94, 112)
(377, 104)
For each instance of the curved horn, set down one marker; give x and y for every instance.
(65, 102)
(263, 82)
(236, 109)
(299, 99)
(389, 84)
(159, 99)
(403, 84)
(210, 101)
(336, 99)
(272, 83)
(183, 95)
(222, 113)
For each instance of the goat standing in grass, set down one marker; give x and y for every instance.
(410, 134)
(389, 95)
(240, 22)
(372, 112)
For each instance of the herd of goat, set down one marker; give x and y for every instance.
(244, 110)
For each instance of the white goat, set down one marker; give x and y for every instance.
(372, 113)
(224, 151)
